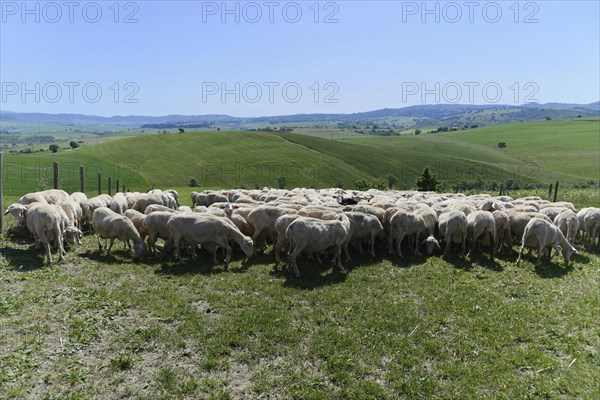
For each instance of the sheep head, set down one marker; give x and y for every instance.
(567, 251)
(431, 244)
(247, 246)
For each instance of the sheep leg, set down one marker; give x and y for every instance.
(417, 245)
(99, 242)
(399, 244)
(41, 235)
(464, 243)
(540, 250)
(292, 259)
(338, 257)
(177, 251)
(520, 253)
(112, 240)
(346, 252)
(372, 246)
(277, 249)
(360, 248)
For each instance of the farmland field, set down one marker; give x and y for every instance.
(536, 152)
(94, 326)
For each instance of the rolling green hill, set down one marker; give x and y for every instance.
(568, 151)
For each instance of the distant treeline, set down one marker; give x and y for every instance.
(176, 125)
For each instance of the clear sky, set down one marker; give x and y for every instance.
(279, 57)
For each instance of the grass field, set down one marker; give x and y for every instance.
(94, 326)
(568, 151)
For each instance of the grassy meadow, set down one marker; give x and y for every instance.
(94, 326)
(536, 152)
(99, 327)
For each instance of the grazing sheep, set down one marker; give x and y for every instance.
(568, 224)
(581, 218)
(175, 196)
(263, 218)
(591, 222)
(18, 211)
(453, 226)
(543, 234)
(156, 224)
(518, 221)
(481, 224)
(78, 197)
(315, 236)
(138, 221)
(118, 203)
(157, 207)
(431, 243)
(109, 225)
(73, 212)
(88, 207)
(408, 225)
(503, 234)
(184, 209)
(47, 222)
(281, 225)
(202, 229)
(50, 196)
(148, 199)
(362, 226)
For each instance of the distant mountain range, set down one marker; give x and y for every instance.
(420, 115)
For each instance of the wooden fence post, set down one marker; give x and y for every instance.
(555, 192)
(501, 189)
(117, 191)
(81, 179)
(56, 177)
(550, 190)
(99, 183)
(109, 186)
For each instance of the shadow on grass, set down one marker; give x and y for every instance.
(204, 264)
(25, 260)
(313, 274)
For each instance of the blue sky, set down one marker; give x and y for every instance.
(193, 57)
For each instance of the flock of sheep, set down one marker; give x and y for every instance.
(308, 221)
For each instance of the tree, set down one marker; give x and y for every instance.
(391, 180)
(74, 144)
(53, 148)
(428, 182)
(501, 145)
(181, 130)
(193, 182)
(417, 131)
(281, 181)
(548, 118)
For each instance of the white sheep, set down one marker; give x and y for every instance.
(48, 222)
(481, 224)
(362, 226)
(156, 223)
(543, 234)
(263, 218)
(281, 225)
(591, 222)
(453, 227)
(18, 211)
(50, 196)
(118, 203)
(204, 229)
(88, 207)
(315, 236)
(503, 234)
(138, 221)
(568, 224)
(109, 225)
